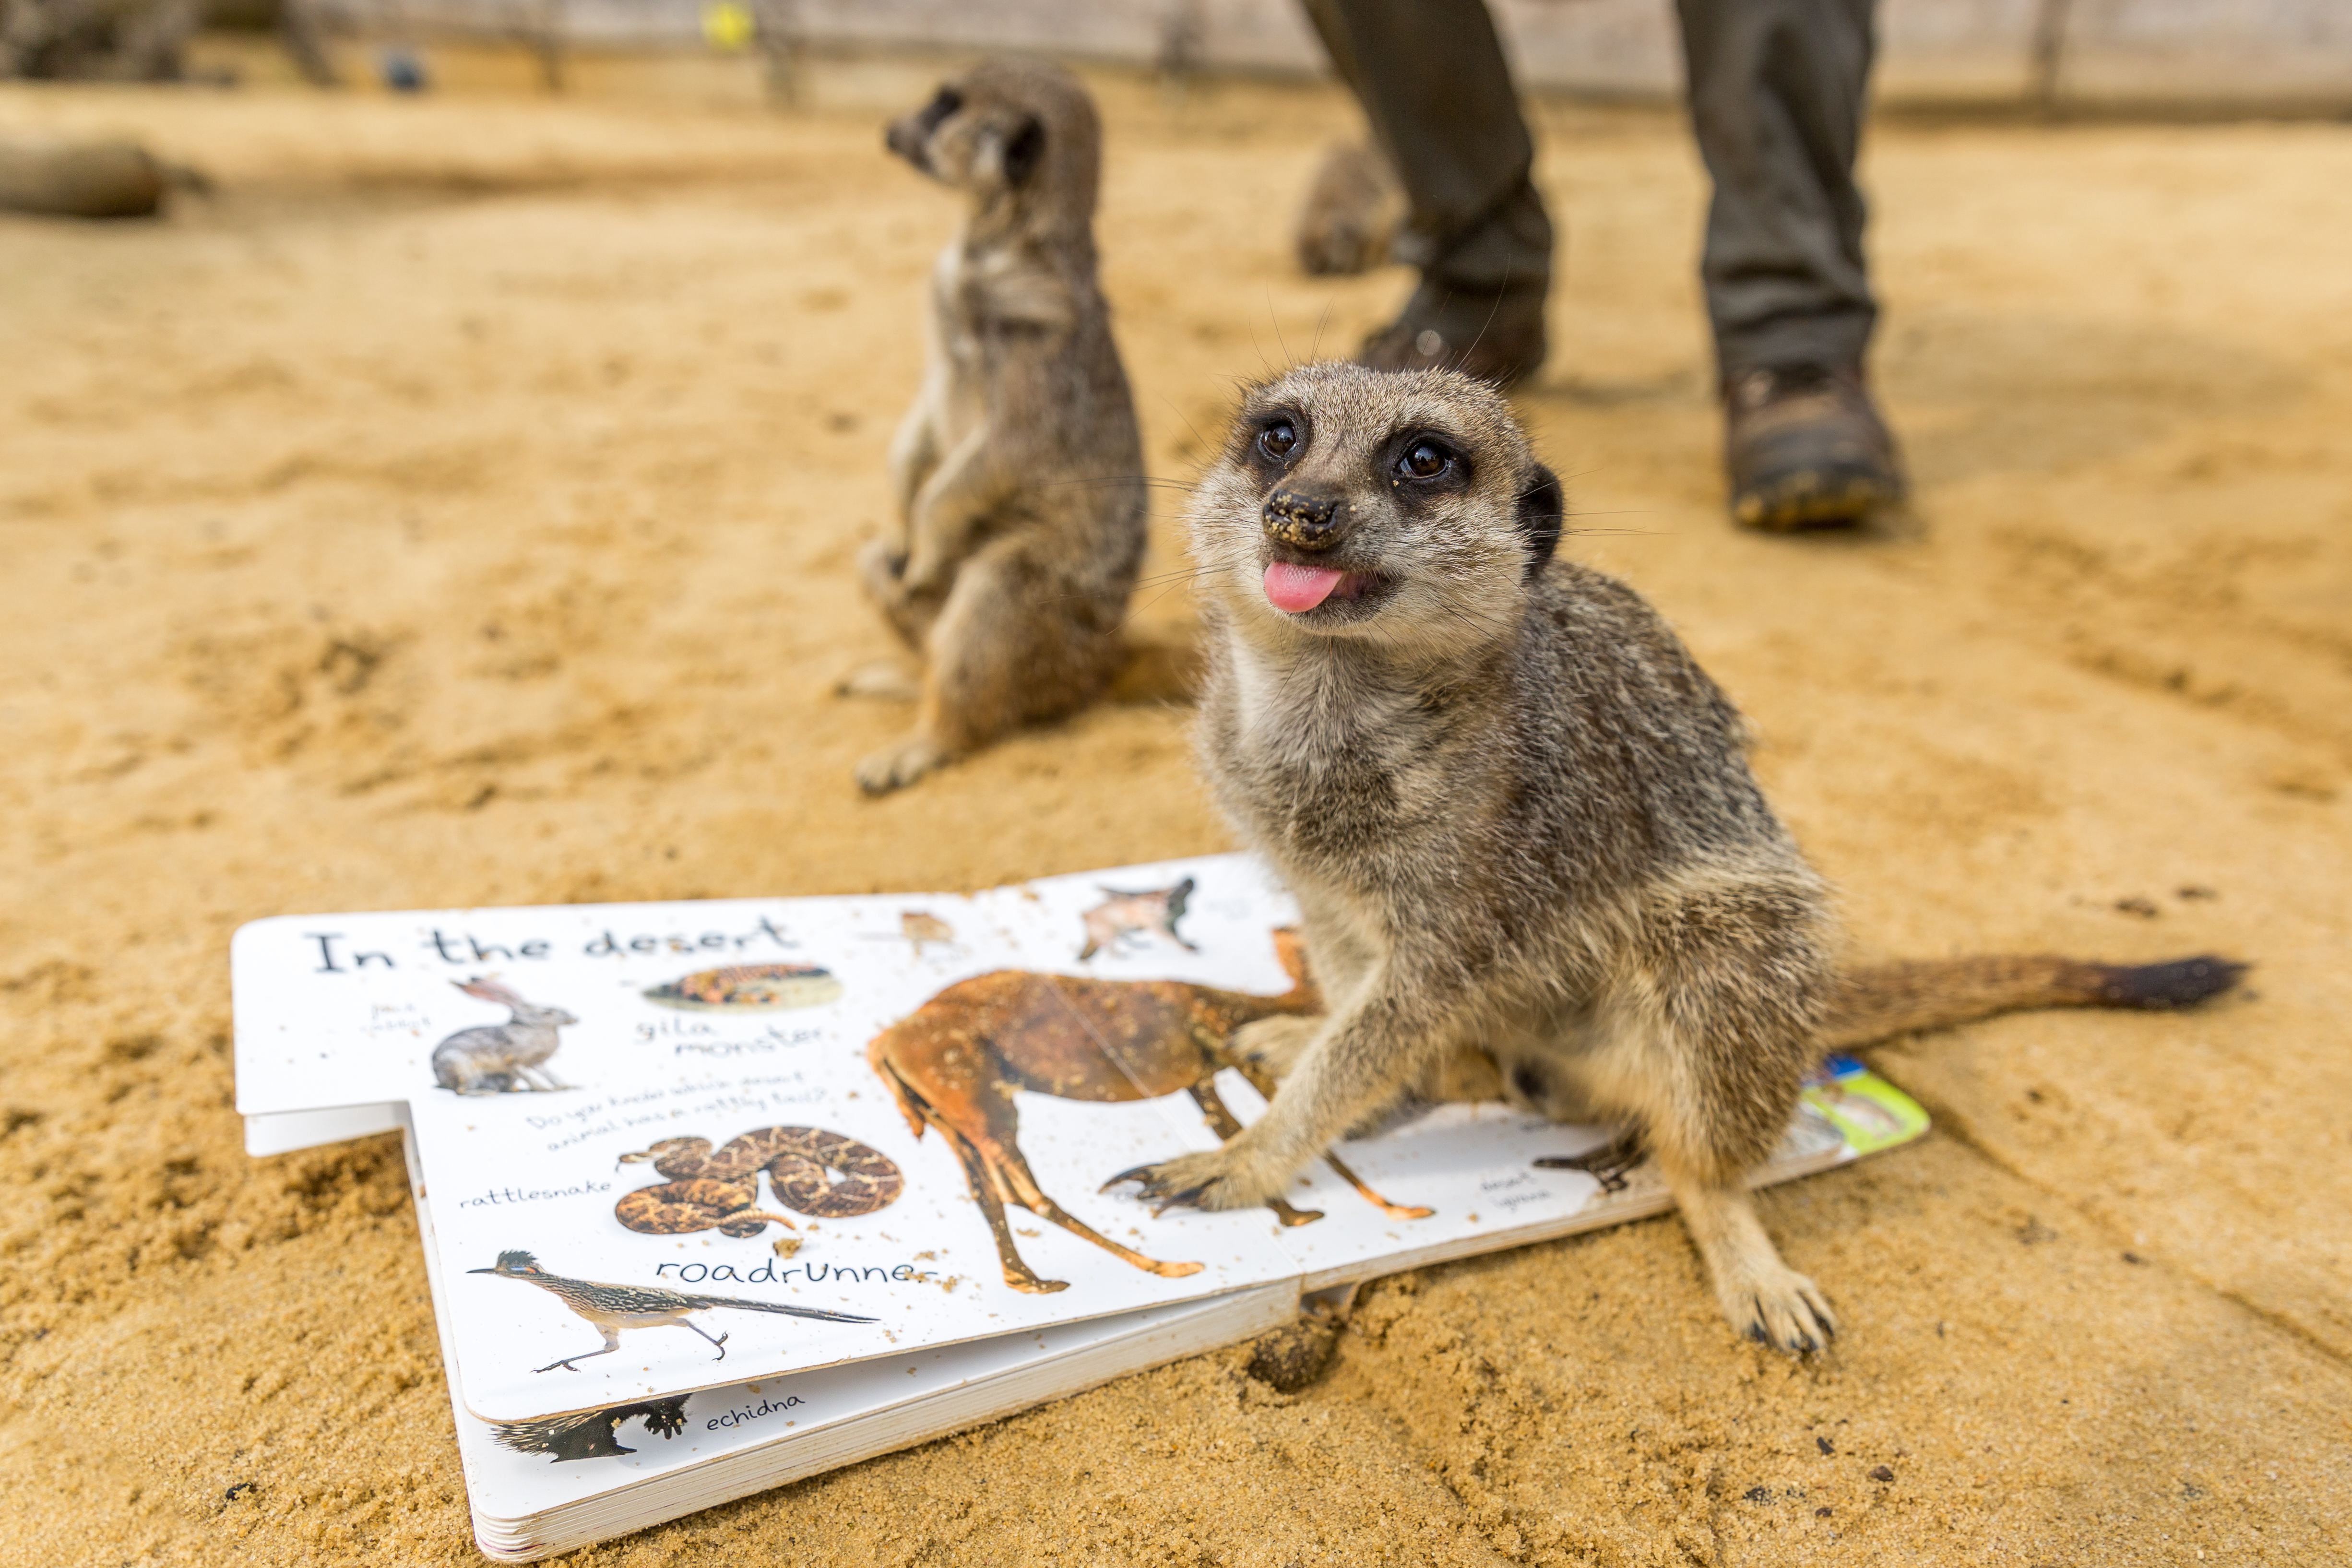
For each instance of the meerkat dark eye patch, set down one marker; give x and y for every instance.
(1424, 459)
(946, 101)
(1422, 463)
(1273, 440)
(1540, 509)
(1024, 149)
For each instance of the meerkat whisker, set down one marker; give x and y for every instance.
(1489, 322)
(1275, 320)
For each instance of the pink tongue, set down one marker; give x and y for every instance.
(1297, 588)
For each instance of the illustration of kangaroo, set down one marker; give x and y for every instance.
(501, 1058)
(954, 1063)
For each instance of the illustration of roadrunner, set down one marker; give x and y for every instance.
(610, 1309)
(954, 1063)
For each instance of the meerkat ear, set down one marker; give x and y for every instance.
(1024, 150)
(1539, 519)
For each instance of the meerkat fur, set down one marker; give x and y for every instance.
(1518, 819)
(1018, 471)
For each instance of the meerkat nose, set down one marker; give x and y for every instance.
(1305, 522)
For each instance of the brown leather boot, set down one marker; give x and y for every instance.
(1495, 337)
(1803, 447)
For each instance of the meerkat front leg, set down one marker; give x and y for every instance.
(948, 512)
(1276, 1045)
(1343, 965)
(882, 561)
(915, 449)
(1359, 1061)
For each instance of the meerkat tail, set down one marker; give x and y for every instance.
(1881, 1000)
(698, 1302)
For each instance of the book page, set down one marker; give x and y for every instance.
(621, 1094)
(837, 1129)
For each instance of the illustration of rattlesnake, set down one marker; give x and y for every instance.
(716, 1191)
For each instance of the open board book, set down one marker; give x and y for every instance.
(718, 1195)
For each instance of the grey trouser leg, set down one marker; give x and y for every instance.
(1776, 98)
(1436, 87)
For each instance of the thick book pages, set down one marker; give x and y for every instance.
(539, 1487)
(666, 1153)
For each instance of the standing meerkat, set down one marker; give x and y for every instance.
(1520, 826)
(1018, 471)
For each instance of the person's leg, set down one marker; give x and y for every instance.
(1777, 91)
(1435, 86)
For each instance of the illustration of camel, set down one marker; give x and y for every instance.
(1122, 915)
(716, 1191)
(954, 1063)
(502, 1058)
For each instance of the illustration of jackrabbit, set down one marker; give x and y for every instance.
(502, 1058)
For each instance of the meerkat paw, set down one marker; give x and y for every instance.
(925, 572)
(1215, 1180)
(881, 680)
(1276, 1044)
(881, 567)
(1779, 1306)
(901, 764)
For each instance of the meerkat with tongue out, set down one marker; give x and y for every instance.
(1529, 853)
(1515, 815)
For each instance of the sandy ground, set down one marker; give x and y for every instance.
(459, 508)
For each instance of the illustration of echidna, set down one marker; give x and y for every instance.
(593, 1434)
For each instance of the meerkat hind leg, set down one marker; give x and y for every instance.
(880, 680)
(1001, 653)
(901, 764)
(1762, 1297)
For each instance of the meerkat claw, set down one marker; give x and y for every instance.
(1155, 1182)
(1133, 1173)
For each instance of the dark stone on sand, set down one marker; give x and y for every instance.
(79, 179)
(1294, 1356)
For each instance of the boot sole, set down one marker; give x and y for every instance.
(1812, 498)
